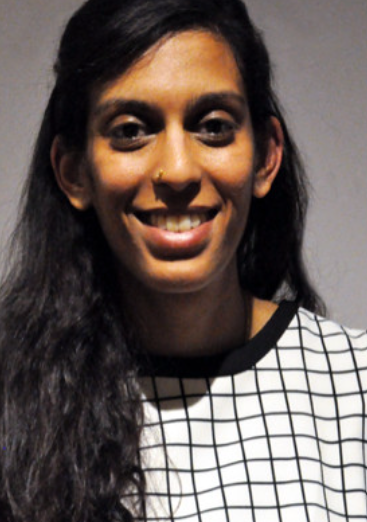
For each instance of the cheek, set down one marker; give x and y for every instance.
(235, 181)
(113, 179)
(234, 168)
(236, 186)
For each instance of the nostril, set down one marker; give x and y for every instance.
(175, 193)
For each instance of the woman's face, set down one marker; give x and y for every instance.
(181, 108)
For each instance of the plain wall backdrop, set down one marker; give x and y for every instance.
(319, 49)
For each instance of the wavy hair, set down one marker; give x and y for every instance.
(70, 410)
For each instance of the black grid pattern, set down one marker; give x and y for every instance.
(282, 440)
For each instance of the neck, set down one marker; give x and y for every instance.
(190, 324)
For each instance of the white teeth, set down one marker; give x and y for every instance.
(161, 221)
(184, 223)
(181, 223)
(172, 223)
(196, 220)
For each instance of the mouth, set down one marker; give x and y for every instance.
(175, 222)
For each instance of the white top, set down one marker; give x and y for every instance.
(272, 431)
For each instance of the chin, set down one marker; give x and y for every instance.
(181, 277)
(180, 282)
(179, 285)
(170, 277)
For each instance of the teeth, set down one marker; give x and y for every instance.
(184, 223)
(161, 221)
(172, 223)
(181, 223)
(196, 220)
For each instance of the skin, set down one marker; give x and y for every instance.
(181, 108)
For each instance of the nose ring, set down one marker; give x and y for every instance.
(158, 176)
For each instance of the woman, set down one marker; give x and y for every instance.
(151, 368)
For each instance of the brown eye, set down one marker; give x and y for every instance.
(128, 131)
(217, 129)
(129, 135)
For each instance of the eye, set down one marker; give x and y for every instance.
(217, 129)
(128, 133)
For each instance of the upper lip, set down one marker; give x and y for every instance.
(145, 216)
(164, 211)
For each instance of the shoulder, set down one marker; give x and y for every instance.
(331, 334)
(324, 340)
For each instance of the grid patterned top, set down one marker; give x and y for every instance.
(272, 431)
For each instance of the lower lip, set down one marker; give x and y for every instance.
(175, 244)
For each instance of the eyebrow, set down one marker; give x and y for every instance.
(223, 98)
(121, 105)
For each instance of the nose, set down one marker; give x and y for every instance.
(178, 161)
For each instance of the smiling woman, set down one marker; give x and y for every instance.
(197, 126)
(158, 359)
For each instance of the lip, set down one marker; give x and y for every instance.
(167, 244)
(176, 211)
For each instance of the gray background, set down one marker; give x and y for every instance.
(319, 49)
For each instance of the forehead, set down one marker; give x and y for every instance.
(195, 60)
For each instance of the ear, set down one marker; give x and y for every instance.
(71, 175)
(267, 172)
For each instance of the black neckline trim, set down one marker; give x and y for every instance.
(229, 363)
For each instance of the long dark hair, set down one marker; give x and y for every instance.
(70, 414)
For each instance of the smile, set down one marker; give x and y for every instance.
(176, 222)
